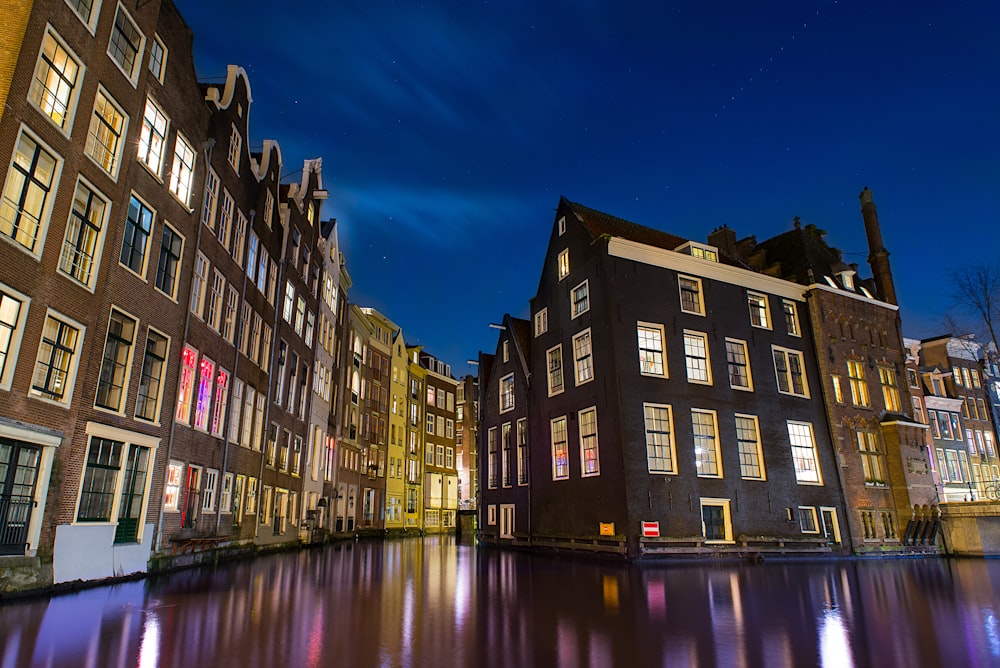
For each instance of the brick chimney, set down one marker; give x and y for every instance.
(878, 256)
(724, 239)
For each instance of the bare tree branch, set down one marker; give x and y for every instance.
(976, 294)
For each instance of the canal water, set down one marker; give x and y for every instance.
(432, 602)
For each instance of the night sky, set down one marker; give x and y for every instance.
(448, 131)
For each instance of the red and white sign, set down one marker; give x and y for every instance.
(650, 529)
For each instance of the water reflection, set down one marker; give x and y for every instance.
(434, 603)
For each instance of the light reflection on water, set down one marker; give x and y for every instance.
(431, 602)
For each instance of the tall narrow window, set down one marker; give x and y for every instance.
(491, 462)
(105, 139)
(235, 146)
(760, 316)
(859, 386)
(203, 399)
(541, 321)
(554, 363)
(157, 58)
(171, 248)
(738, 364)
(651, 362)
(690, 291)
(505, 444)
(229, 316)
(221, 399)
(11, 322)
(147, 403)
(791, 313)
(225, 227)
(590, 459)
(583, 357)
(707, 458)
(138, 227)
(871, 459)
(522, 451)
(890, 392)
(696, 358)
(100, 479)
(581, 299)
(54, 86)
(563, 264)
(83, 233)
(748, 444)
(211, 199)
(113, 378)
(152, 136)
(239, 237)
(199, 284)
(54, 365)
(126, 44)
(560, 449)
(803, 444)
(182, 171)
(30, 181)
(789, 371)
(660, 452)
(213, 315)
(185, 387)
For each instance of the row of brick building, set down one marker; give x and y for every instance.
(674, 397)
(180, 369)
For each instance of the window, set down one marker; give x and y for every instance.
(171, 249)
(872, 460)
(54, 85)
(651, 362)
(157, 58)
(101, 478)
(152, 136)
(890, 393)
(563, 264)
(225, 228)
(78, 257)
(269, 212)
(203, 398)
(560, 449)
(789, 370)
(300, 312)
(55, 366)
(12, 319)
(838, 390)
(562, 226)
(219, 404)
(430, 424)
(911, 377)
(691, 298)
(211, 199)
(86, 10)
(199, 284)
(541, 322)
(289, 310)
(185, 387)
(147, 403)
(506, 350)
(213, 316)
(235, 144)
(125, 47)
(760, 316)
(748, 444)
(808, 522)
(116, 362)
(583, 357)
(522, 451)
(859, 386)
(105, 139)
(26, 203)
(716, 522)
(738, 364)
(791, 312)
(660, 450)
(553, 357)
(696, 358)
(581, 299)
(229, 318)
(182, 172)
(505, 476)
(252, 249)
(239, 237)
(983, 415)
(708, 460)
(440, 456)
(589, 451)
(804, 458)
(138, 227)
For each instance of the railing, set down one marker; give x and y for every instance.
(15, 513)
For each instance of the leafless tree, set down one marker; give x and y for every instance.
(976, 294)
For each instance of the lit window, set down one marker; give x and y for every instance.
(690, 291)
(235, 144)
(125, 47)
(660, 453)
(507, 393)
(708, 459)
(563, 264)
(208, 493)
(54, 85)
(541, 322)
(491, 463)
(890, 393)
(791, 313)
(859, 386)
(300, 312)
(269, 211)
(106, 134)
(158, 59)
(239, 237)
(83, 234)
(26, 194)
(560, 449)
(252, 250)
(696, 358)
(789, 370)
(152, 137)
(759, 314)
(57, 359)
(182, 172)
(738, 365)
(289, 309)
(554, 363)
(147, 403)
(589, 449)
(172, 488)
(871, 459)
(116, 361)
(583, 357)
(199, 284)
(229, 317)
(203, 402)
(803, 445)
(185, 388)
(171, 249)
(225, 228)
(522, 451)
(838, 390)
(213, 313)
(505, 476)
(651, 361)
(748, 444)
(11, 326)
(581, 299)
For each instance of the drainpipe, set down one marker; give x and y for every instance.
(207, 147)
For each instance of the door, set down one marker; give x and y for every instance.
(830, 527)
(18, 474)
(506, 520)
(133, 492)
(192, 497)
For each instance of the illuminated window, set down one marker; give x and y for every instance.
(554, 364)
(152, 136)
(182, 171)
(660, 452)
(872, 460)
(590, 460)
(541, 322)
(235, 144)
(791, 312)
(54, 85)
(206, 374)
(560, 449)
(26, 200)
(225, 228)
(804, 457)
(106, 134)
(859, 386)
(651, 359)
(83, 234)
(185, 388)
(708, 458)
(760, 315)
(12, 319)
(583, 357)
(563, 264)
(116, 361)
(890, 393)
(696, 358)
(58, 357)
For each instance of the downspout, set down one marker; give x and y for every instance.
(207, 147)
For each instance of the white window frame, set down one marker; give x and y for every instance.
(93, 144)
(746, 356)
(574, 312)
(556, 473)
(74, 367)
(182, 170)
(563, 263)
(211, 478)
(69, 247)
(160, 72)
(549, 371)
(703, 337)
(578, 359)
(128, 364)
(787, 353)
(584, 473)
(671, 445)
(16, 334)
(658, 333)
(805, 512)
(72, 100)
(726, 515)
(133, 76)
(45, 214)
(541, 321)
(148, 149)
(89, 21)
(505, 383)
(790, 311)
(803, 476)
(762, 309)
(700, 295)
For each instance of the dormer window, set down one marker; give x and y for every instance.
(847, 279)
(702, 251)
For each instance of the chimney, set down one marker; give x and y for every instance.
(878, 256)
(724, 239)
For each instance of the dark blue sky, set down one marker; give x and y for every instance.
(449, 129)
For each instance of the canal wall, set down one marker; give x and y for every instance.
(971, 529)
